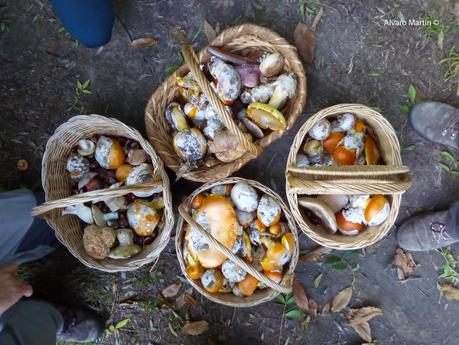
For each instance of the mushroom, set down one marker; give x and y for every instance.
(320, 130)
(87, 179)
(247, 286)
(372, 154)
(272, 64)
(354, 214)
(77, 166)
(346, 227)
(86, 147)
(268, 211)
(244, 197)
(228, 80)
(266, 116)
(221, 189)
(123, 172)
(116, 203)
(302, 161)
(377, 210)
(176, 117)
(245, 218)
(213, 126)
(320, 209)
(142, 218)
(359, 200)
(137, 156)
(353, 141)
(127, 247)
(253, 128)
(288, 241)
(276, 257)
(188, 82)
(346, 121)
(344, 156)
(227, 147)
(190, 145)
(97, 241)
(233, 272)
(313, 149)
(143, 174)
(109, 153)
(250, 75)
(101, 218)
(261, 93)
(284, 88)
(81, 210)
(193, 112)
(332, 140)
(212, 280)
(335, 202)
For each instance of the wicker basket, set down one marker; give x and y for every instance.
(259, 296)
(232, 39)
(57, 186)
(391, 179)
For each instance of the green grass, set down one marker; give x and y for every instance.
(440, 26)
(151, 304)
(449, 272)
(452, 65)
(307, 7)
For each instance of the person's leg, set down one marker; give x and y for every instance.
(430, 230)
(30, 323)
(88, 21)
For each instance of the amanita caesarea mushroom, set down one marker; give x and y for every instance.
(332, 140)
(377, 210)
(233, 272)
(284, 88)
(346, 227)
(221, 189)
(266, 116)
(109, 153)
(127, 247)
(81, 210)
(142, 174)
(122, 172)
(228, 80)
(212, 280)
(276, 257)
(268, 211)
(248, 286)
(272, 64)
(97, 241)
(372, 154)
(77, 166)
(244, 197)
(320, 130)
(190, 145)
(346, 121)
(142, 217)
(86, 147)
(176, 117)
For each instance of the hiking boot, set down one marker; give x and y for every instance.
(429, 230)
(437, 122)
(80, 325)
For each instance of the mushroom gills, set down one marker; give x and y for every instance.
(322, 210)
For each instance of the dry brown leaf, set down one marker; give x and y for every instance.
(313, 308)
(450, 292)
(363, 330)
(143, 42)
(186, 298)
(305, 42)
(195, 328)
(404, 263)
(171, 290)
(209, 31)
(326, 309)
(341, 300)
(315, 255)
(364, 314)
(301, 299)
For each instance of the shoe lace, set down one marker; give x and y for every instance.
(439, 232)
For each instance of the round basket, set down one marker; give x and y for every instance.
(234, 39)
(391, 179)
(260, 296)
(57, 185)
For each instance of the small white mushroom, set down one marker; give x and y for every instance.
(353, 141)
(86, 147)
(253, 128)
(284, 88)
(358, 200)
(354, 215)
(302, 161)
(320, 130)
(233, 272)
(81, 210)
(268, 210)
(245, 218)
(190, 145)
(346, 121)
(272, 64)
(245, 197)
(101, 218)
(261, 93)
(77, 166)
(127, 247)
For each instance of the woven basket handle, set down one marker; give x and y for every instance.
(225, 251)
(99, 195)
(297, 185)
(352, 170)
(192, 61)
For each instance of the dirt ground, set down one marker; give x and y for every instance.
(357, 59)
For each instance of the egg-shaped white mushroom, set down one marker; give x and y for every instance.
(320, 130)
(268, 211)
(233, 272)
(244, 197)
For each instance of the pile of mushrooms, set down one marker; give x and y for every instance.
(344, 140)
(255, 91)
(249, 223)
(119, 227)
(348, 215)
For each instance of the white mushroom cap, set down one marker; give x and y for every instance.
(233, 272)
(346, 121)
(268, 210)
(245, 197)
(320, 130)
(302, 161)
(208, 279)
(354, 215)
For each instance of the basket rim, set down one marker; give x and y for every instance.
(160, 241)
(219, 298)
(222, 170)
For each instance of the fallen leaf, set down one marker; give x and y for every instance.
(317, 18)
(326, 309)
(450, 292)
(186, 298)
(404, 263)
(305, 42)
(364, 314)
(209, 31)
(341, 300)
(315, 255)
(178, 34)
(171, 290)
(313, 308)
(143, 42)
(317, 280)
(22, 165)
(294, 314)
(301, 299)
(195, 328)
(305, 323)
(363, 330)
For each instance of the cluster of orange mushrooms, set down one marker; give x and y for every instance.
(249, 223)
(343, 140)
(254, 90)
(117, 227)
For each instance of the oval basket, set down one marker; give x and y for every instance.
(391, 179)
(234, 39)
(260, 296)
(57, 185)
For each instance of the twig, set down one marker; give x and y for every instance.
(281, 324)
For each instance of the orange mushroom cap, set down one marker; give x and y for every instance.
(343, 156)
(378, 206)
(248, 286)
(123, 171)
(274, 276)
(332, 141)
(347, 226)
(372, 154)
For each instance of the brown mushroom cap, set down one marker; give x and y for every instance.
(97, 241)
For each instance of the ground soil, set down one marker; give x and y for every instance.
(357, 59)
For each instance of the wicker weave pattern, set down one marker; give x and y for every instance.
(57, 185)
(233, 39)
(391, 180)
(229, 299)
